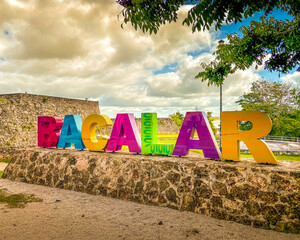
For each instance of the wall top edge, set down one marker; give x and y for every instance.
(38, 95)
(193, 159)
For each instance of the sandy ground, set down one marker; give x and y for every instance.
(73, 215)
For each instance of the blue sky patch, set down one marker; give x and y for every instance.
(167, 68)
(198, 52)
(273, 76)
(234, 28)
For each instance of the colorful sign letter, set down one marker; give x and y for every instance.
(88, 131)
(71, 132)
(207, 142)
(231, 135)
(149, 136)
(49, 131)
(125, 132)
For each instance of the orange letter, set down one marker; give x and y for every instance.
(88, 131)
(231, 135)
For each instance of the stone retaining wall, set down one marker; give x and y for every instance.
(264, 196)
(19, 112)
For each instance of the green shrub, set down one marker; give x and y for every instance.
(45, 99)
(4, 100)
(5, 160)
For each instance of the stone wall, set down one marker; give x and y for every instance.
(263, 196)
(19, 112)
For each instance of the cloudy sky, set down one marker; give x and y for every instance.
(77, 49)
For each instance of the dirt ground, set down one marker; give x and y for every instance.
(74, 215)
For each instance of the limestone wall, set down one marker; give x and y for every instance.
(264, 196)
(19, 112)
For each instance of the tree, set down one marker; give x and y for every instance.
(177, 118)
(271, 42)
(279, 101)
(210, 120)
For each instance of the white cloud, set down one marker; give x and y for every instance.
(78, 49)
(293, 78)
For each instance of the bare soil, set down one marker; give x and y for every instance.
(74, 215)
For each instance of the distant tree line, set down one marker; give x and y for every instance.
(280, 101)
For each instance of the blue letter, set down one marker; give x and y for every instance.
(71, 132)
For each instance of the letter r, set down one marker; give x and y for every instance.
(231, 135)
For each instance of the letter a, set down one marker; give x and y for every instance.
(71, 132)
(207, 142)
(125, 132)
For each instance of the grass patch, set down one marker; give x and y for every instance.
(4, 100)
(278, 157)
(215, 118)
(196, 151)
(17, 200)
(5, 160)
(45, 99)
(167, 135)
(1, 174)
(166, 141)
(288, 157)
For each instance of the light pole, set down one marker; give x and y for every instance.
(220, 43)
(220, 118)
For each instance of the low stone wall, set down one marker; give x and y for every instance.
(264, 196)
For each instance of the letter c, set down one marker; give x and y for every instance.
(88, 131)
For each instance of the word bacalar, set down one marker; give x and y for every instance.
(54, 132)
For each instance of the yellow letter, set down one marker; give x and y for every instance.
(231, 135)
(88, 131)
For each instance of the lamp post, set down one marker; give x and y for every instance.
(220, 43)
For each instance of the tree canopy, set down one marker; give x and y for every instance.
(177, 118)
(272, 42)
(280, 101)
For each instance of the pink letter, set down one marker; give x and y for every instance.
(49, 131)
(125, 132)
(206, 142)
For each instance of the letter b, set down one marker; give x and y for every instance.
(49, 131)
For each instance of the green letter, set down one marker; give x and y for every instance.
(149, 137)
